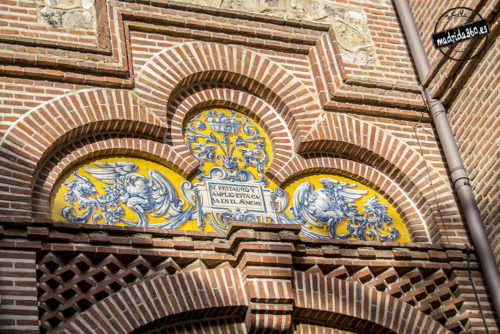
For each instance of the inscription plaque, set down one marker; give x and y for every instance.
(244, 196)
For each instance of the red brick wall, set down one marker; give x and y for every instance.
(256, 278)
(475, 121)
(474, 118)
(21, 95)
(20, 24)
(18, 291)
(467, 89)
(128, 89)
(390, 47)
(427, 16)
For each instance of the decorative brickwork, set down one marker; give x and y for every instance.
(95, 277)
(344, 301)
(337, 96)
(217, 292)
(70, 287)
(301, 327)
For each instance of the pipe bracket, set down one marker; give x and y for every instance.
(458, 174)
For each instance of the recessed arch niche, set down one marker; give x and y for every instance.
(233, 152)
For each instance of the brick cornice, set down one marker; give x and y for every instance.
(68, 236)
(272, 263)
(108, 64)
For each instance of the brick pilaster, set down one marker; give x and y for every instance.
(264, 255)
(18, 294)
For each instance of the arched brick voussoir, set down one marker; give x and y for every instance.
(346, 136)
(341, 131)
(70, 155)
(217, 292)
(214, 95)
(401, 194)
(163, 75)
(74, 115)
(364, 306)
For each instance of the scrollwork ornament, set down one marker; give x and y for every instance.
(233, 189)
(229, 133)
(327, 207)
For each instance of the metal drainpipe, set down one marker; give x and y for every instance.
(459, 176)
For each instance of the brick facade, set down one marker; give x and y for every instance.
(466, 89)
(129, 85)
(256, 278)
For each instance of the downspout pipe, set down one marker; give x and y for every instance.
(459, 176)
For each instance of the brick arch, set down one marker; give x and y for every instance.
(35, 136)
(322, 299)
(155, 301)
(403, 196)
(210, 325)
(76, 112)
(200, 96)
(182, 65)
(312, 328)
(346, 136)
(74, 115)
(90, 147)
